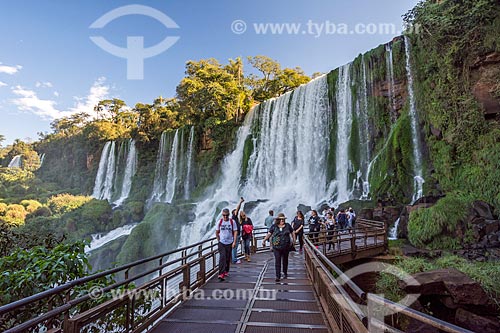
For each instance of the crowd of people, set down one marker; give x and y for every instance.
(237, 226)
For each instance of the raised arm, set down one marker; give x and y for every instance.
(239, 206)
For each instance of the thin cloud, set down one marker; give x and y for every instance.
(43, 85)
(9, 69)
(3, 84)
(28, 100)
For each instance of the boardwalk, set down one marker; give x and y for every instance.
(295, 308)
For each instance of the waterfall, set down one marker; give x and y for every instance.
(130, 170)
(101, 172)
(226, 190)
(393, 233)
(344, 124)
(390, 76)
(364, 132)
(107, 189)
(417, 152)
(42, 158)
(158, 184)
(288, 164)
(100, 239)
(15, 162)
(172, 170)
(187, 182)
(166, 172)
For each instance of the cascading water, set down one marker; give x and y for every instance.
(364, 133)
(344, 125)
(42, 158)
(172, 170)
(98, 192)
(288, 164)
(107, 188)
(130, 170)
(187, 182)
(169, 167)
(100, 239)
(15, 162)
(390, 76)
(393, 232)
(417, 152)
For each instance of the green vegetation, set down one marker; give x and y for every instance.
(436, 227)
(487, 274)
(452, 37)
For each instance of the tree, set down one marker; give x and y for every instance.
(274, 81)
(211, 90)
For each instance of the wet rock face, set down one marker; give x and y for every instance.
(485, 73)
(452, 296)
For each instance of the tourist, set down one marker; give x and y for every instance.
(352, 218)
(268, 222)
(331, 226)
(226, 234)
(298, 228)
(342, 219)
(247, 233)
(314, 227)
(282, 239)
(234, 213)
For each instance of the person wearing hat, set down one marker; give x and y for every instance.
(226, 233)
(282, 239)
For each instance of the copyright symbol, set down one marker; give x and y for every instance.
(95, 292)
(238, 27)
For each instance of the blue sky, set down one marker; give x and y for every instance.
(50, 68)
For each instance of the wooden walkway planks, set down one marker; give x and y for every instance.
(251, 301)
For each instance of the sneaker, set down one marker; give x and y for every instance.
(285, 276)
(226, 274)
(277, 280)
(238, 262)
(221, 277)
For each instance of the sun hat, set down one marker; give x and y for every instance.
(280, 216)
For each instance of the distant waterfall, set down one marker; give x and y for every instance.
(173, 167)
(390, 76)
(130, 170)
(111, 171)
(15, 162)
(364, 132)
(172, 170)
(42, 158)
(187, 183)
(417, 151)
(344, 125)
(103, 186)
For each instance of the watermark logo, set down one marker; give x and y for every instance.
(135, 52)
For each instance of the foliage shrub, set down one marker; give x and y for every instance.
(64, 203)
(434, 227)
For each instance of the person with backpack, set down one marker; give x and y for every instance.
(331, 225)
(342, 219)
(282, 240)
(298, 228)
(226, 234)
(234, 213)
(352, 218)
(314, 227)
(247, 233)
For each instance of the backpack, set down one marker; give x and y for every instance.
(247, 228)
(279, 240)
(230, 220)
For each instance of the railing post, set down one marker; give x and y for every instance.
(202, 274)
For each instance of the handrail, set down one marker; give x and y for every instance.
(197, 250)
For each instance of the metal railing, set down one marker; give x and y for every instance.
(110, 300)
(336, 291)
(172, 276)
